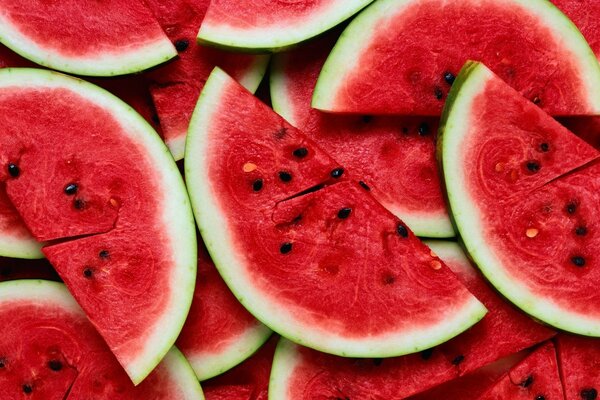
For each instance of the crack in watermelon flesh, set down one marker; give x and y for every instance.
(579, 363)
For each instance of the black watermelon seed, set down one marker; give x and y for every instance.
(426, 354)
(438, 93)
(402, 231)
(424, 129)
(389, 279)
(14, 170)
(364, 186)
(71, 189)
(2, 362)
(88, 272)
(533, 166)
(449, 78)
(540, 397)
(536, 100)
(367, 118)
(78, 204)
(527, 382)
(344, 213)
(103, 254)
(285, 248)
(182, 44)
(257, 185)
(578, 261)
(458, 359)
(377, 361)
(544, 147)
(581, 231)
(285, 176)
(300, 152)
(589, 394)
(55, 365)
(571, 208)
(27, 389)
(337, 173)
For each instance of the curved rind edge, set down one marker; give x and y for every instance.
(285, 361)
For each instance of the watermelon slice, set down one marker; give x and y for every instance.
(401, 57)
(579, 362)
(530, 228)
(284, 254)
(62, 357)
(504, 330)
(177, 85)
(264, 25)
(105, 38)
(536, 377)
(108, 195)
(389, 144)
(13, 269)
(219, 333)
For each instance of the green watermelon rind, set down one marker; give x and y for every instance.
(122, 63)
(346, 53)
(455, 118)
(422, 224)
(211, 222)
(209, 365)
(47, 293)
(19, 247)
(250, 80)
(177, 215)
(285, 361)
(272, 39)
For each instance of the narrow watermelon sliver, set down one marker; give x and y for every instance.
(376, 148)
(267, 25)
(177, 85)
(62, 357)
(106, 38)
(579, 363)
(401, 57)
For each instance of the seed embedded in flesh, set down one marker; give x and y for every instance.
(388, 279)
(285, 176)
(438, 93)
(571, 208)
(103, 254)
(449, 78)
(249, 167)
(402, 231)
(14, 170)
(27, 389)
(533, 166)
(581, 231)
(182, 44)
(87, 272)
(531, 233)
(424, 129)
(458, 359)
(55, 365)
(344, 213)
(78, 204)
(364, 186)
(257, 185)
(2, 362)
(527, 382)
(544, 147)
(300, 152)
(536, 100)
(578, 261)
(435, 264)
(589, 394)
(540, 397)
(285, 248)
(499, 167)
(337, 173)
(71, 189)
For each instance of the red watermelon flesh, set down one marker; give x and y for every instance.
(504, 330)
(536, 377)
(61, 356)
(579, 363)
(586, 15)
(417, 47)
(178, 84)
(247, 381)
(218, 333)
(375, 148)
(13, 269)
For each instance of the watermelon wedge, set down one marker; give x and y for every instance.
(390, 144)
(504, 330)
(105, 38)
(12, 269)
(108, 196)
(579, 363)
(401, 57)
(62, 357)
(536, 377)
(177, 85)
(219, 333)
(263, 25)
(524, 194)
(284, 244)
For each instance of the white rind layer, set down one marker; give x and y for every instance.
(19, 247)
(286, 360)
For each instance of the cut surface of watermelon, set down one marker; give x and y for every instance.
(49, 350)
(585, 14)
(264, 25)
(524, 193)
(402, 56)
(579, 363)
(177, 85)
(109, 191)
(376, 148)
(218, 333)
(113, 37)
(312, 267)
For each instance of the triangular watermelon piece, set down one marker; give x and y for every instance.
(530, 228)
(579, 362)
(389, 143)
(108, 195)
(536, 377)
(313, 263)
(101, 39)
(401, 57)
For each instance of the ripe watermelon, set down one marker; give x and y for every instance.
(374, 147)
(219, 333)
(416, 47)
(105, 38)
(579, 362)
(109, 197)
(49, 350)
(524, 200)
(264, 25)
(329, 268)
(585, 14)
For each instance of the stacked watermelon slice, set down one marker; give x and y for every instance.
(402, 213)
